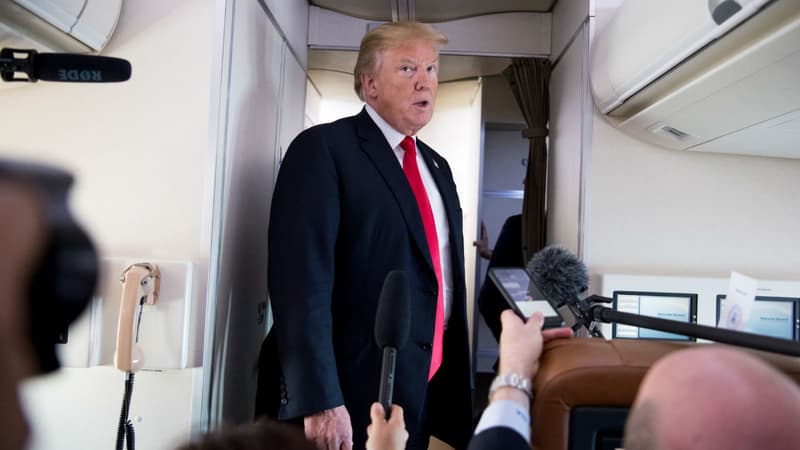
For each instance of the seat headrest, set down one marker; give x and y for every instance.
(604, 373)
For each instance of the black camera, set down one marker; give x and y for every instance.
(65, 277)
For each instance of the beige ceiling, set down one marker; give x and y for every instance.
(429, 10)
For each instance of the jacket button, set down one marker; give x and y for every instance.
(284, 401)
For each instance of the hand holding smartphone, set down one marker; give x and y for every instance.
(522, 295)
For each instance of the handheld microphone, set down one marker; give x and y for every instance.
(391, 330)
(64, 67)
(561, 277)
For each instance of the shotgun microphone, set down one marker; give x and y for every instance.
(391, 330)
(31, 66)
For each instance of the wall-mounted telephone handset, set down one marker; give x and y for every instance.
(140, 285)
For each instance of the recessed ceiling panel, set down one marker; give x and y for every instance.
(444, 10)
(379, 10)
(431, 10)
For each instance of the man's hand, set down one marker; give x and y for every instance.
(482, 244)
(330, 429)
(521, 342)
(383, 435)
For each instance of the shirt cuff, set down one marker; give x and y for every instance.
(506, 413)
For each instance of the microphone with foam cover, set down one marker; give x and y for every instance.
(561, 278)
(64, 67)
(559, 275)
(391, 330)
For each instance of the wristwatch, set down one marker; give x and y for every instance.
(512, 380)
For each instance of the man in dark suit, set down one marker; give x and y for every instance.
(355, 199)
(507, 253)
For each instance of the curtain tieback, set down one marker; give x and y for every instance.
(530, 133)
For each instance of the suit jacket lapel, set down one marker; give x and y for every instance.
(374, 144)
(449, 199)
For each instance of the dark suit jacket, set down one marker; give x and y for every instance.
(507, 252)
(343, 216)
(498, 438)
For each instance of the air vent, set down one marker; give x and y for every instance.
(670, 132)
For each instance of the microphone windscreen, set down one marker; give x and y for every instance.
(559, 274)
(80, 68)
(394, 311)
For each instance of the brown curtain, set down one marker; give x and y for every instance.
(530, 80)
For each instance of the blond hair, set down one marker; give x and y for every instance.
(387, 36)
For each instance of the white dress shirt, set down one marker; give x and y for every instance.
(394, 137)
(506, 413)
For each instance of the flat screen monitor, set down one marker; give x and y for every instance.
(771, 316)
(680, 307)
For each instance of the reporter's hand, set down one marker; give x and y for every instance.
(556, 333)
(383, 435)
(330, 429)
(521, 342)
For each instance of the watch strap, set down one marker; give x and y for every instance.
(512, 380)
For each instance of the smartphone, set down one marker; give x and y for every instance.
(522, 295)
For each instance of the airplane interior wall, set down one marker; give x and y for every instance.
(641, 209)
(664, 212)
(261, 109)
(140, 153)
(569, 142)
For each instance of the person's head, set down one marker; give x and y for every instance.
(262, 435)
(397, 73)
(713, 398)
(22, 238)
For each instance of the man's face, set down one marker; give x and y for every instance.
(403, 89)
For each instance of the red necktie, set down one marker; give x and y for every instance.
(415, 180)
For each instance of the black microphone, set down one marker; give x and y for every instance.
(391, 329)
(64, 67)
(561, 277)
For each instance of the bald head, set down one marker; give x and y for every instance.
(714, 398)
